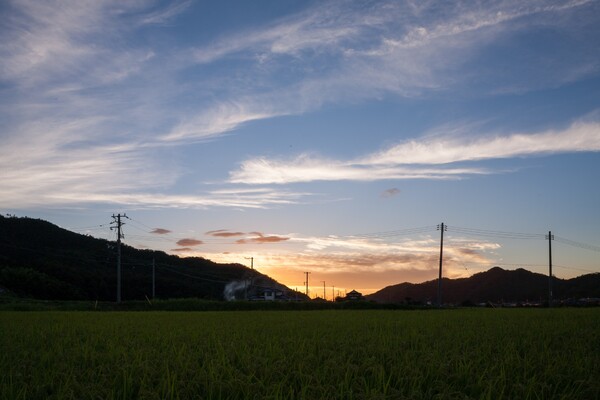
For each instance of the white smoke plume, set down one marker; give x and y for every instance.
(232, 288)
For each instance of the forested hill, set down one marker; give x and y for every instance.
(495, 285)
(41, 260)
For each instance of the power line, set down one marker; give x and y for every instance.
(141, 223)
(498, 234)
(399, 232)
(505, 264)
(92, 228)
(577, 269)
(54, 254)
(188, 275)
(580, 245)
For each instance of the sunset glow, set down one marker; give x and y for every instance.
(329, 137)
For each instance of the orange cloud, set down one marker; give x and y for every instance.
(189, 242)
(262, 239)
(364, 264)
(183, 249)
(224, 233)
(160, 231)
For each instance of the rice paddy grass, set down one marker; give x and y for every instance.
(330, 354)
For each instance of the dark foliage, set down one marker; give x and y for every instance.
(42, 261)
(495, 285)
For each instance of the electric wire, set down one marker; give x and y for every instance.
(577, 269)
(190, 276)
(453, 230)
(497, 234)
(399, 232)
(580, 245)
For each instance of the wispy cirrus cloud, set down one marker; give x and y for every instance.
(578, 137)
(217, 120)
(421, 159)
(352, 52)
(48, 42)
(165, 15)
(80, 79)
(322, 27)
(307, 169)
(147, 200)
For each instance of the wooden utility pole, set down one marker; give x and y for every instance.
(117, 220)
(550, 237)
(306, 282)
(324, 295)
(251, 262)
(441, 228)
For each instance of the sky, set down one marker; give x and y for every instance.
(330, 137)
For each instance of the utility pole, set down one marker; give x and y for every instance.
(306, 282)
(153, 278)
(251, 261)
(332, 292)
(324, 295)
(117, 220)
(550, 238)
(441, 228)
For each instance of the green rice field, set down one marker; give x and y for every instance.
(330, 354)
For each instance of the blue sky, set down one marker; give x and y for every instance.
(285, 130)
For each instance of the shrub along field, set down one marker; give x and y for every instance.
(330, 354)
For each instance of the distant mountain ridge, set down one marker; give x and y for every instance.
(494, 285)
(41, 260)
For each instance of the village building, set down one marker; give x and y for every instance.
(353, 295)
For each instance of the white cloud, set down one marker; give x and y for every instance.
(325, 26)
(53, 41)
(55, 192)
(78, 82)
(307, 169)
(580, 136)
(348, 52)
(216, 121)
(164, 15)
(406, 160)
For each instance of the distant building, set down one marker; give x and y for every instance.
(352, 296)
(269, 294)
(319, 300)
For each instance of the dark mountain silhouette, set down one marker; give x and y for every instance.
(41, 260)
(494, 285)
